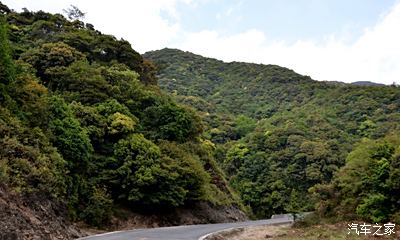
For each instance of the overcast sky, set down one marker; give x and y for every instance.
(341, 40)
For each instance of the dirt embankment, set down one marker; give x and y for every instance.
(33, 217)
(195, 213)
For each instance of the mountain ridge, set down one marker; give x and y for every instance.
(148, 54)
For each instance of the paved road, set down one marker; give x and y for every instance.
(189, 232)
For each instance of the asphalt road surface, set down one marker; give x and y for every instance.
(188, 232)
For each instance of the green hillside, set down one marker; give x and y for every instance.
(279, 134)
(83, 122)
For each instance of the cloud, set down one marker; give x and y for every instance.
(141, 24)
(374, 56)
(243, 46)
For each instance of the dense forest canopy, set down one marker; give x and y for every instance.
(282, 137)
(82, 120)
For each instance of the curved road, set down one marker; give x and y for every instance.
(188, 232)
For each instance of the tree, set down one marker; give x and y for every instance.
(136, 176)
(364, 187)
(4, 9)
(170, 121)
(50, 57)
(235, 158)
(74, 13)
(244, 125)
(80, 81)
(68, 136)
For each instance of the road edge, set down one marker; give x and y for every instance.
(241, 228)
(222, 232)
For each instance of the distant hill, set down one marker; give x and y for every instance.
(277, 133)
(233, 87)
(255, 90)
(367, 83)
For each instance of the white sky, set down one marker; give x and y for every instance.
(372, 55)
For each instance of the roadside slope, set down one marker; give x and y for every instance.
(33, 217)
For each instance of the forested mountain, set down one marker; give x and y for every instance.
(91, 130)
(281, 137)
(84, 124)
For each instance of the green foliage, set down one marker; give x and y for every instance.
(279, 133)
(22, 170)
(244, 125)
(137, 166)
(121, 124)
(7, 71)
(68, 136)
(31, 29)
(29, 166)
(49, 56)
(149, 175)
(235, 157)
(170, 121)
(184, 170)
(373, 207)
(30, 96)
(99, 210)
(364, 188)
(79, 82)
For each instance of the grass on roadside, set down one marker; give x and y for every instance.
(318, 232)
(313, 228)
